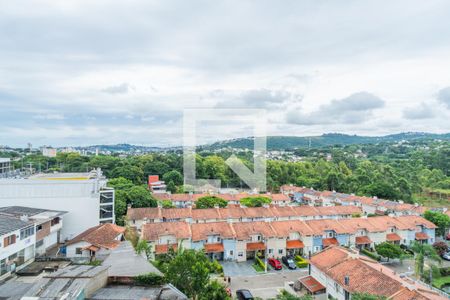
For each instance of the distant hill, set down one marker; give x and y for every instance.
(328, 139)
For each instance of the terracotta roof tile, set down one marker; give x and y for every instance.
(246, 229)
(201, 231)
(393, 237)
(152, 231)
(214, 248)
(329, 241)
(161, 249)
(421, 236)
(294, 244)
(283, 228)
(103, 236)
(256, 246)
(363, 240)
(311, 284)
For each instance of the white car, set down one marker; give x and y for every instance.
(446, 256)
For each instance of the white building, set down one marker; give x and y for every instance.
(48, 152)
(85, 197)
(5, 165)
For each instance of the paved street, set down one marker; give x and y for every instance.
(408, 265)
(265, 285)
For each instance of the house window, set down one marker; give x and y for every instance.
(231, 252)
(270, 251)
(259, 237)
(240, 254)
(26, 232)
(39, 243)
(218, 239)
(78, 251)
(9, 240)
(39, 228)
(280, 251)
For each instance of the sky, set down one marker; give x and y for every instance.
(105, 72)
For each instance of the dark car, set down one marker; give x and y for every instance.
(275, 263)
(406, 249)
(289, 262)
(244, 295)
(446, 256)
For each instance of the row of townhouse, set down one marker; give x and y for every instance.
(240, 241)
(341, 272)
(369, 205)
(188, 200)
(25, 233)
(138, 216)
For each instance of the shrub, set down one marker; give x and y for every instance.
(216, 267)
(445, 271)
(301, 262)
(260, 263)
(150, 279)
(440, 247)
(371, 254)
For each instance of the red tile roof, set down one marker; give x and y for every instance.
(102, 236)
(311, 284)
(214, 248)
(256, 246)
(161, 249)
(363, 240)
(329, 241)
(152, 231)
(246, 229)
(294, 244)
(393, 237)
(201, 231)
(421, 236)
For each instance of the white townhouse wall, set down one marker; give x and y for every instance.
(241, 250)
(17, 248)
(87, 200)
(276, 247)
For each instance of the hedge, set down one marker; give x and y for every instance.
(301, 262)
(260, 263)
(371, 254)
(150, 279)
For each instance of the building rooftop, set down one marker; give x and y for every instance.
(166, 292)
(9, 224)
(123, 261)
(103, 236)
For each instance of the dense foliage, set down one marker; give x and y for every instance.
(442, 221)
(388, 250)
(210, 202)
(255, 201)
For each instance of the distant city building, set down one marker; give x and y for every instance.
(85, 196)
(155, 185)
(24, 233)
(48, 151)
(5, 165)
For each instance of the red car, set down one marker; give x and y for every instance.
(448, 237)
(275, 263)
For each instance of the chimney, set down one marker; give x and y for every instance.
(24, 218)
(347, 280)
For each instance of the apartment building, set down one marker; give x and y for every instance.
(25, 233)
(85, 197)
(138, 216)
(239, 241)
(5, 165)
(340, 272)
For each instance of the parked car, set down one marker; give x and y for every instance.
(446, 256)
(407, 250)
(275, 263)
(244, 295)
(447, 237)
(289, 262)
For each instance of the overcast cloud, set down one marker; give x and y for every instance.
(90, 72)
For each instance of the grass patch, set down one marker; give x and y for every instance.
(258, 268)
(441, 282)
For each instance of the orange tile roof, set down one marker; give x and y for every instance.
(283, 228)
(413, 221)
(279, 197)
(103, 236)
(214, 248)
(363, 240)
(329, 257)
(421, 236)
(329, 241)
(245, 229)
(294, 244)
(311, 284)
(152, 231)
(393, 237)
(200, 231)
(161, 249)
(207, 213)
(320, 226)
(176, 213)
(144, 212)
(256, 246)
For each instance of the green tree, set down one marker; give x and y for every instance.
(255, 201)
(143, 247)
(120, 183)
(139, 196)
(423, 251)
(210, 202)
(130, 172)
(171, 187)
(214, 291)
(389, 250)
(167, 204)
(189, 272)
(173, 176)
(442, 221)
(120, 206)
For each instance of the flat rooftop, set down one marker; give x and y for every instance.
(166, 292)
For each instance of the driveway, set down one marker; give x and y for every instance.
(232, 269)
(265, 285)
